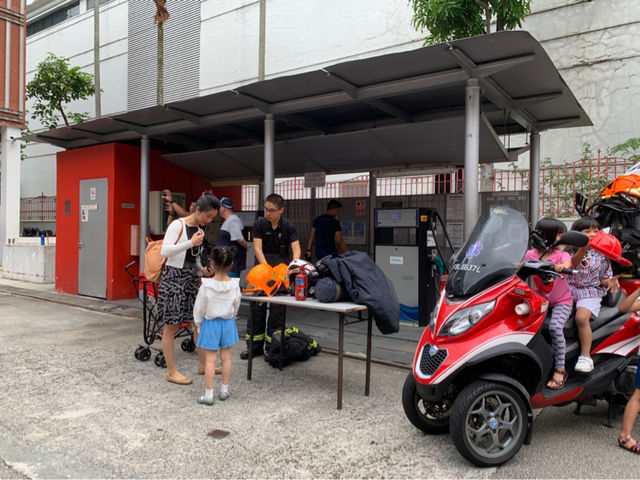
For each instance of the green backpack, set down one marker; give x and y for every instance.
(298, 347)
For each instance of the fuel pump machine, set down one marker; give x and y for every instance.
(407, 251)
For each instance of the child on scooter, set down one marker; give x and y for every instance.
(625, 440)
(558, 294)
(588, 286)
(214, 313)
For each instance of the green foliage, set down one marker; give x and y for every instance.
(56, 84)
(629, 149)
(23, 145)
(451, 19)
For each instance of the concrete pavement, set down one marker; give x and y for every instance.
(75, 403)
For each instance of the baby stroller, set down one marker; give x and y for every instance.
(147, 293)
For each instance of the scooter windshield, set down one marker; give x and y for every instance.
(492, 253)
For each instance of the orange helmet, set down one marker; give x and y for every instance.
(281, 273)
(262, 277)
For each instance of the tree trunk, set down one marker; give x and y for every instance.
(64, 117)
(484, 5)
(487, 16)
(160, 73)
(499, 21)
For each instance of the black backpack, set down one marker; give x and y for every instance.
(298, 347)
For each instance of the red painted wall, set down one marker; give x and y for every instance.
(13, 32)
(120, 164)
(233, 192)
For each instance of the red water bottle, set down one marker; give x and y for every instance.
(300, 291)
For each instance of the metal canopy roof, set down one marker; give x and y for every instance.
(400, 110)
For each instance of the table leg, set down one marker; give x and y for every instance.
(368, 363)
(284, 316)
(252, 316)
(340, 357)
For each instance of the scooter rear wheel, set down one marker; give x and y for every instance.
(430, 417)
(488, 423)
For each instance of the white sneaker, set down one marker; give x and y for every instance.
(584, 364)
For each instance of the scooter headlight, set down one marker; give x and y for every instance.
(434, 316)
(463, 320)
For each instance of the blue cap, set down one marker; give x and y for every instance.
(226, 202)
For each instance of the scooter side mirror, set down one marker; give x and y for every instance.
(580, 203)
(573, 238)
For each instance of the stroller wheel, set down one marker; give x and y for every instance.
(136, 354)
(145, 354)
(160, 361)
(188, 345)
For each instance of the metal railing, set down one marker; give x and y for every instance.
(41, 208)
(559, 183)
(294, 189)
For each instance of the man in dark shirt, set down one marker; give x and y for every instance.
(275, 241)
(327, 233)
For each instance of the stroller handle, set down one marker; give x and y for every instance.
(126, 269)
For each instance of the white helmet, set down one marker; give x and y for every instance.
(299, 265)
(302, 266)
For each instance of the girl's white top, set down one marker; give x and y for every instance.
(217, 299)
(175, 252)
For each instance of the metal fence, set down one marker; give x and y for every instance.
(559, 183)
(41, 208)
(294, 189)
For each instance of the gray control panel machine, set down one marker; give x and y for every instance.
(406, 251)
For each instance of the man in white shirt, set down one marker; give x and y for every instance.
(231, 235)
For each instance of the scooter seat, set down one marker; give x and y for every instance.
(606, 315)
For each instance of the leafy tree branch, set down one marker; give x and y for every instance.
(55, 84)
(451, 19)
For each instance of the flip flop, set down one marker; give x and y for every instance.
(555, 384)
(635, 448)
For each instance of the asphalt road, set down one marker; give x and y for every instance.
(74, 403)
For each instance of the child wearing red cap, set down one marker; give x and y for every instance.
(588, 286)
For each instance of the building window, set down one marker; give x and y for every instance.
(54, 18)
(90, 3)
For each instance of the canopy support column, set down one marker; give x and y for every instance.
(371, 212)
(471, 155)
(10, 189)
(144, 198)
(269, 153)
(534, 178)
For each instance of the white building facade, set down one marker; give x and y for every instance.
(213, 45)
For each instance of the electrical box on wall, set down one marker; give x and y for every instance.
(134, 242)
(158, 214)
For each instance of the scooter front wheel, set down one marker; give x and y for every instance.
(430, 417)
(488, 423)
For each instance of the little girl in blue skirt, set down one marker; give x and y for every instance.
(214, 313)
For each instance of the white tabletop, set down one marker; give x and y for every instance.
(338, 307)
